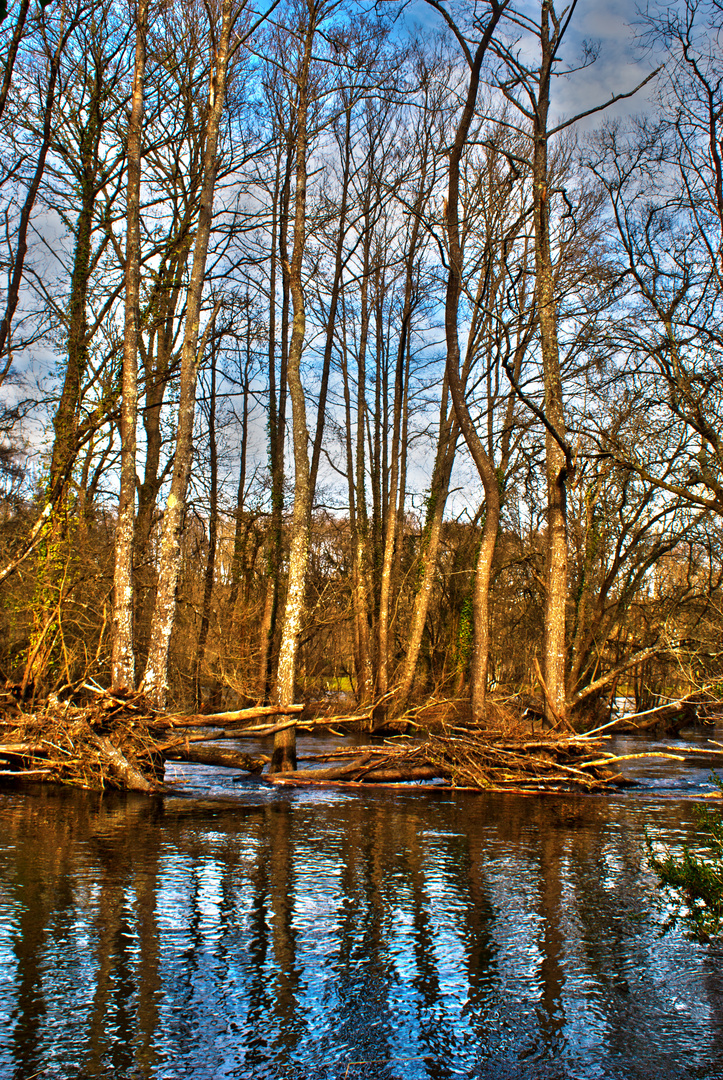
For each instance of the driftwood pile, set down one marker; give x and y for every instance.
(120, 742)
(470, 758)
(106, 744)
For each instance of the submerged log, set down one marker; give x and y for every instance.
(218, 756)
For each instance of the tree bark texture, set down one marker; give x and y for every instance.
(123, 674)
(159, 365)
(155, 679)
(277, 413)
(555, 463)
(284, 755)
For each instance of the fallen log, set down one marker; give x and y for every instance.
(132, 778)
(162, 723)
(351, 770)
(217, 756)
(25, 774)
(611, 759)
(21, 749)
(667, 718)
(225, 733)
(388, 775)
(260, 732)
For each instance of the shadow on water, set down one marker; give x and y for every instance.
(328, 935)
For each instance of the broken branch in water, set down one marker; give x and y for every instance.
(122, 742)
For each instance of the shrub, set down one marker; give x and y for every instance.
(695, 881)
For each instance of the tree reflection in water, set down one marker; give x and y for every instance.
(301, 935)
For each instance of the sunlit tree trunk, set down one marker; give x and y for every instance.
(555, 462)
(429, 547)
(284, 754)
(391, 517)
(277, 411)
(155, 679)
(485, 466)
(122, 642)
(158, 366)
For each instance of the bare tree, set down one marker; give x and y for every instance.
(284, 755)
(123, 644)
(155, 678)
(474, 56)
(529, 89)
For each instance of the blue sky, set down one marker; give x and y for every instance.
(622, 62)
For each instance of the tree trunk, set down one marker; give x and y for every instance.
(429, 546)
(52, 569)
(359, 517)
(158, 366)
(390, 516)
(485, 466)
(123, 644)
(277, 419)
(333, 307)
(555, 462)
(284, 755)
(209, 575)
(390, 529)
(155, 679)
(241, 526)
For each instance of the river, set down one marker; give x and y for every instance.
(230, 930)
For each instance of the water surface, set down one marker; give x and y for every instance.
(239, 931)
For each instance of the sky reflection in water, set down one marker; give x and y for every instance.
(380, 935)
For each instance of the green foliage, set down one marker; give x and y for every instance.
(465, 639)
(341, 684)
(695, 881)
